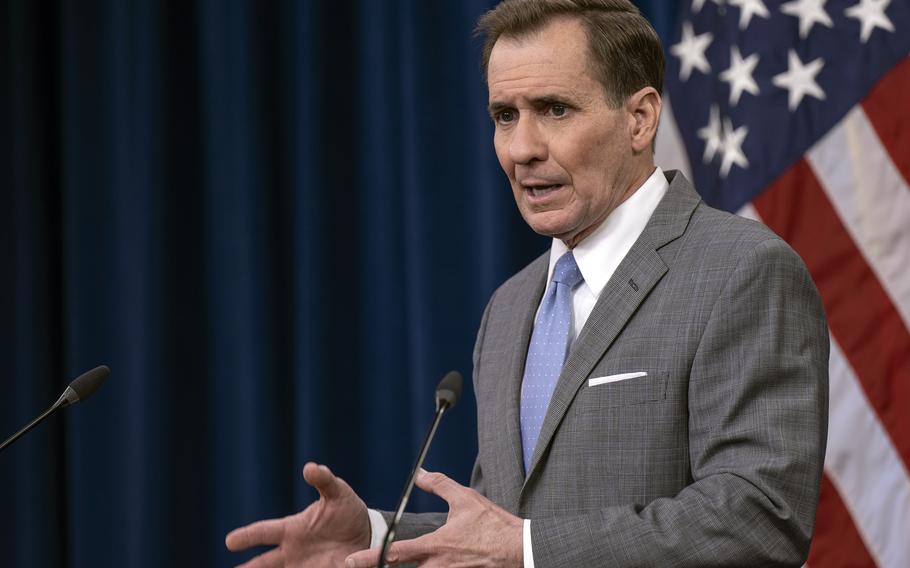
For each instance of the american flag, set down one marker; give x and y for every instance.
(797, 113)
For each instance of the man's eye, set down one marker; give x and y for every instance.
(505, 116)
(558, 110)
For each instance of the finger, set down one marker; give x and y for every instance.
(365, 558)
(400, 552)
(256, 534)
(322, 478)
(271, 559)
(440, 485)
(406, 551)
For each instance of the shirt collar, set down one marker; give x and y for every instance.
(599, 254)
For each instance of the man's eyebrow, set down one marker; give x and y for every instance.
(542, 101)
(549, 100)
(496, 106)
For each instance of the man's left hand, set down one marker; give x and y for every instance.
(476, 533)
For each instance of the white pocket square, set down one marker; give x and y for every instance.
(614, 378)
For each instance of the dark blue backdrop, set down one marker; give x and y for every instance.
(277, 222)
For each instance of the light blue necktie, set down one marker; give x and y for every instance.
(547, 352)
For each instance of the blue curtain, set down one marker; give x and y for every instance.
(277, 222)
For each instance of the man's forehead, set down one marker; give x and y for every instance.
(560, 36)
(559, 46)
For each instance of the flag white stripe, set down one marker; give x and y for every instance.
(670, 150)
(871, 198)
(863, 464)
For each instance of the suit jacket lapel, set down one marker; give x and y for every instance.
(637, 274)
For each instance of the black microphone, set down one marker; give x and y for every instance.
(447, 393)
(80, 389)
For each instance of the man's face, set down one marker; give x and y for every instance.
(567, 154)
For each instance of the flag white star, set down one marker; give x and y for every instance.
(711, 134)
(809, 12)
(691, 51)
(732, 148)
(871, 14)
(739, 75)
(799, 79)
(749, 8)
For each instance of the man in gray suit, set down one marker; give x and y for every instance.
(650, 392)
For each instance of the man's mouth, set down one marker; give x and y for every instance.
(538, 191)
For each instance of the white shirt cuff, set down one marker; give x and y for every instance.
(378, 527)
(526, 544)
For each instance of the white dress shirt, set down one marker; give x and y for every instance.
(597, 257)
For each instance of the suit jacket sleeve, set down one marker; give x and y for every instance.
(757, 407)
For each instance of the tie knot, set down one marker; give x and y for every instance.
(566, 271)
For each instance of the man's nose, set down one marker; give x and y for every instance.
(528, 143)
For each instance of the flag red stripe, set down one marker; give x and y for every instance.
(890, 115)
(836, 541)
(860, 314)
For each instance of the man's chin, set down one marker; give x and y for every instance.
(568, 233)
(549, 228)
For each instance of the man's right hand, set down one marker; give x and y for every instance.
(323, 534)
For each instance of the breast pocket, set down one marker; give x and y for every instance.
(598, 395)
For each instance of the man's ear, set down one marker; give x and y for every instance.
(643, 108)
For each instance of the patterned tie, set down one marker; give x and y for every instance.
(547, 352)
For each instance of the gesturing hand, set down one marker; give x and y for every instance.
(477, 533)
(323, 534)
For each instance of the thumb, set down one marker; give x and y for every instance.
(368, 558)
(323, 480)
(440, 485)
(406, 551)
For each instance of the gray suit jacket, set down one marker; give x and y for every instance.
(712, 459)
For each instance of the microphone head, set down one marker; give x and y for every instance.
(448, 391)
(88, 382)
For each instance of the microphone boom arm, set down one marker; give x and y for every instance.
(409, 487)
(54, 408)
(447, 394)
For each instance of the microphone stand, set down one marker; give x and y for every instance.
(54, 408)
(441, 407)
